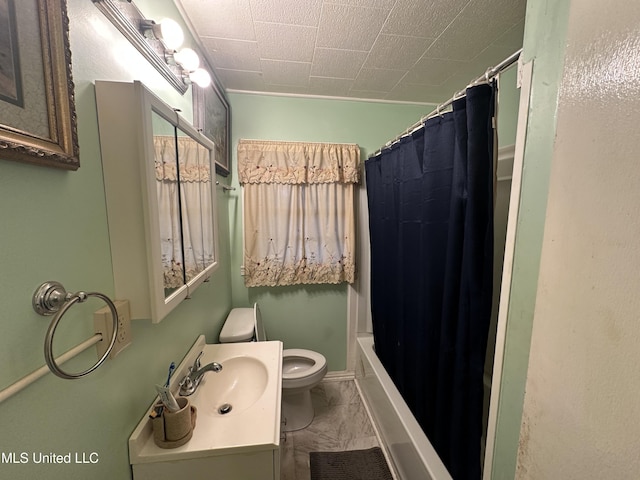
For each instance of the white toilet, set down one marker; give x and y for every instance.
(301, 369)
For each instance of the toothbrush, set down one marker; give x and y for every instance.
(172, 367)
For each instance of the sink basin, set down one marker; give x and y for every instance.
(238, 408)
(240, 383)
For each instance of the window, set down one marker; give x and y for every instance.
(299, 212)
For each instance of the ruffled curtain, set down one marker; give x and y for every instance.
(187, 240)
(299, 213)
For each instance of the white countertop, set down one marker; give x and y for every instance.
(252, 429)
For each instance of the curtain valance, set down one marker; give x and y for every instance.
(193, 159)
(261, 161)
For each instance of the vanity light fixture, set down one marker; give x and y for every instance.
(158, 42)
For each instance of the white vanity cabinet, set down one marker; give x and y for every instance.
(159, 176)
(261, 465)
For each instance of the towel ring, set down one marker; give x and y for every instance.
(52, 298)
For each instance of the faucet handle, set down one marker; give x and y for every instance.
(196, 363)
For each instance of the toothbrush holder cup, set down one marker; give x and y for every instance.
(173, 429)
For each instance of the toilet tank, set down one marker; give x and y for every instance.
(239, 326)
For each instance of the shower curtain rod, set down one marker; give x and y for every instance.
(488, 75)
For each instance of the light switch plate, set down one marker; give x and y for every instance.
(103, 325)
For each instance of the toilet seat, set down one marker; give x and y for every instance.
(311, 367)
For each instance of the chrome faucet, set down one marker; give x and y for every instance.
(192, 379)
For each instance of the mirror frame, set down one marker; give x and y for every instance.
(150, 103)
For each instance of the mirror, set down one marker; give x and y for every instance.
(167, 191)
(191, 204)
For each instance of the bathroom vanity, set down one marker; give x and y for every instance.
(237, 432)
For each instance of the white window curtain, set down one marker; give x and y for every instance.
(299, 212)
(186, 241)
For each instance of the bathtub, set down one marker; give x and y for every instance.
(409, 450)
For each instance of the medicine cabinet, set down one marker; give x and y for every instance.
(160, 194)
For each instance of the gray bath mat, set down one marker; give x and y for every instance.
(350, 465)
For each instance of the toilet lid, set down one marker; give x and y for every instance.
(319, 362)
(238, 327)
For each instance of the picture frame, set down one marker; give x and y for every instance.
(212, 116)
(41, 127)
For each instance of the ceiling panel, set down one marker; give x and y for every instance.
(350, 28)
(293, 12)
(426, 18)
(233, 54)
(418, 51)
(224, 18)
(328, 62)
(277, 41)
(397, 51)
(286, 73)
(377, 79)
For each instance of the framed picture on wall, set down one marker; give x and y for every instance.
(37, 108)
(211, 115)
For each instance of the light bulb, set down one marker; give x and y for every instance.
(170, 33)
(200, 77)
(167, 31)
(187, 59)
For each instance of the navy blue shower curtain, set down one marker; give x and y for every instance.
(430, 201)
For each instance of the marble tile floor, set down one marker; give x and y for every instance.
(341, 423)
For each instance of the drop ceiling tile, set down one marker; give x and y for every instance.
(384, 4)
(349, 28)
(337, 87)
(422, 18)
(417, 93)
(241, 80)
(397, 51)
(510, 11)
(377, 79)
(232, 54)
(293, 12)
(513, 37)
(433, 71)
(286, 73)
(328, 62)
(285, 42)
(222, 18)
(460, 81)
(478, 36)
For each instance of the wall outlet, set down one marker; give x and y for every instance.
(242, 272)
(103, 324)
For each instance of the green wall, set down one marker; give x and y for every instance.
(54, 227)
(544, 43)
(307, 316)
